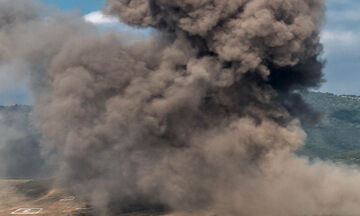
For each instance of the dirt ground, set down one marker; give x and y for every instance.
(29, 197)
(37, 197)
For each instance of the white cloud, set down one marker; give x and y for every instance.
(340, 42)
(340, 37)
(106, 22)
(97, 17)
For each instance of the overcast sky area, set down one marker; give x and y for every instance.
(340, 36)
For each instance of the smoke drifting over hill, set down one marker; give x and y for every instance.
(201, 116)
(20, 152)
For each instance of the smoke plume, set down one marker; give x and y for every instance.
(202, 116)
(20, 152)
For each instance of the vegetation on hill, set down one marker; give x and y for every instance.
(337, 136)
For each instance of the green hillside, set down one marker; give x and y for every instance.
(337, 137)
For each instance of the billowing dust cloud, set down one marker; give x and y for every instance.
(202, 116)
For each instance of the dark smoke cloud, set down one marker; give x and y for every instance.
(199, 117)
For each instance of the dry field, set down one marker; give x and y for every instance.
(36, 197)
(29, 197)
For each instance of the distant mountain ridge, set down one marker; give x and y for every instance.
(16, 107)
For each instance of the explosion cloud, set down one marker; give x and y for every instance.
(202, 116)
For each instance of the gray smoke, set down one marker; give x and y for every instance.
(20, 152)
(201, 117)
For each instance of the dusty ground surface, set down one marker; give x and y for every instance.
(29, 197)
(37, 197)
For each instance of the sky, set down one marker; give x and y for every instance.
(85, 6)
(341, 39)
(340, 36)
